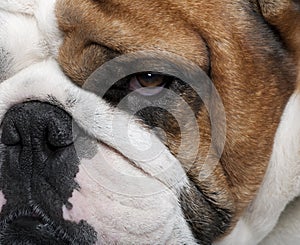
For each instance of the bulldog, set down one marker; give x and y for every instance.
(149, 122)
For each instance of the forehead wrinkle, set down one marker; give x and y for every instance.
(136, 28)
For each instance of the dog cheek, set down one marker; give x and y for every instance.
(122, 203)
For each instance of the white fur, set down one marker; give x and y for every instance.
(280, 186)
(28, 39)
(287, 230)
(18, 6)
(124, 205)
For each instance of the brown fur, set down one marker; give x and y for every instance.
(250, 65)
(285, 16)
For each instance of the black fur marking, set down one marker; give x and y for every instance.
(207, 221)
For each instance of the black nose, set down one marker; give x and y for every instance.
(36, 132)
(38, 158)
(37, 123)
(38, 166)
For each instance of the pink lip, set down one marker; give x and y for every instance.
(2, 200)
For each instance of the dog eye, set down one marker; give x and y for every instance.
(148, 83)
(150, 79)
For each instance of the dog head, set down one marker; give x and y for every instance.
(135, 122)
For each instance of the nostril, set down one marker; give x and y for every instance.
(59, 132)
(10, 135)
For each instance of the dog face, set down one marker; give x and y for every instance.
(125, 122)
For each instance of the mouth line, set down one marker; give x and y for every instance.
(24, 212)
